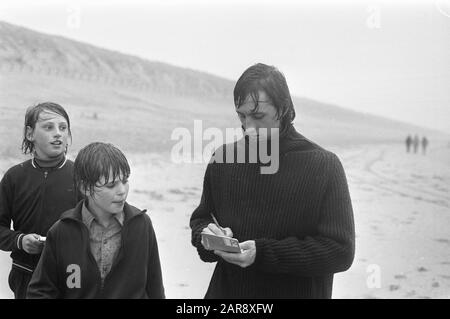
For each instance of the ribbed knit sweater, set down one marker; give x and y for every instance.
(301, 219)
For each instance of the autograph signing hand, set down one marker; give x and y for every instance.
(244, 259)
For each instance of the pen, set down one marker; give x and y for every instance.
(217, 224)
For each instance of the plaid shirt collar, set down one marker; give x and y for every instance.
(88, 217)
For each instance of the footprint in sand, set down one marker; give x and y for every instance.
(422, 269)
(152, 194)
(176, 191)
(394, 287)
(442, 240)
(186, 191)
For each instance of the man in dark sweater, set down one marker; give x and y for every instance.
(295, 227)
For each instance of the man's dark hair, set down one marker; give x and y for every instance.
(262, 77)
(97, 160)
(32, 116)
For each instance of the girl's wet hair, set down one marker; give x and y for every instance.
(32, 116)
(97, 160)
(262, 77)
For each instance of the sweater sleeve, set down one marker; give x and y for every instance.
(8, 237)
(201, 217)
(44, 282)
(155, 288)
(331, 250)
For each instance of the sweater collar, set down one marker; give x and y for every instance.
(56, 163)
(291, 140)
(87, 216)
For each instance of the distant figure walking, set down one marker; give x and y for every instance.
(408, 143)
(424, 145)
(416, 143)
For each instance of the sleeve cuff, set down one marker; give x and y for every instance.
(205, 255)
(19, 245)
(197, 234)
(260, 246)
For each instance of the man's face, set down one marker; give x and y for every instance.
(109, 198)
(49, 135)
(265, 116)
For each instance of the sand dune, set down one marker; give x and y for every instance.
(136, 103)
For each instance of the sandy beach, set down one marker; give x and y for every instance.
(402, 214)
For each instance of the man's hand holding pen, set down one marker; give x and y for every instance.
(214, 230)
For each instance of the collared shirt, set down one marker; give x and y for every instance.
(105, 242)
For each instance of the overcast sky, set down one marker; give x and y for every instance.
(371, 56)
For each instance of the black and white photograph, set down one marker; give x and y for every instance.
(222, 150)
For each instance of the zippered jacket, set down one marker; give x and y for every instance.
(67, 268)
(33, 198)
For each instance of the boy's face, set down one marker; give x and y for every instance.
(109, 198)
(265, 116)
(49, 135)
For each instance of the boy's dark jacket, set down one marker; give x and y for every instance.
(136, 272)
(34, 199)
